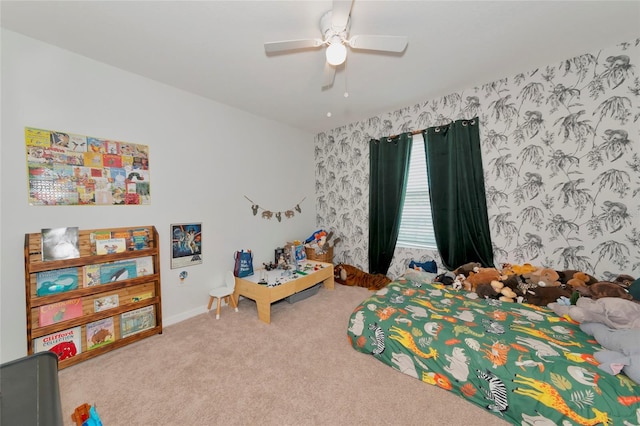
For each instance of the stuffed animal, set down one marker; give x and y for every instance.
(466, 268)
(458, 282)
(545, 277)
(504, 293)
(526, 268)
(543, 296)
(567, 277)
(482, 276)
(446, 278)
(622, 349)
(624, 280)
(486, 291)
(613, 312)
(580, 279)
(352, 276)
(604, 289)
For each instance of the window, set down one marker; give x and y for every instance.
(416, 228)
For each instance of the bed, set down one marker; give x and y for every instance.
(521, 362)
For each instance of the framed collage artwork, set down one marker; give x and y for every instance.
(69, 169)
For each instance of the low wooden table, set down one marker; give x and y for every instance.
(265, 296)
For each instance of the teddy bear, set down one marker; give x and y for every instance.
(544, 277)
(481, 276)
(622, 349)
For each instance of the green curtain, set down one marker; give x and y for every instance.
(457, 194)
(388, 173)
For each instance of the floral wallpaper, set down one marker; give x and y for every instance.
(561, 158)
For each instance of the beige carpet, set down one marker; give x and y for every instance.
(299, 370)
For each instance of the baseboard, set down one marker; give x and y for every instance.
(183, 316)
(186, 315)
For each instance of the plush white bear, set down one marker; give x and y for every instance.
(622, 349)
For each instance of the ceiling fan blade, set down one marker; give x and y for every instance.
(340, 13)
(328, 76)
(379, 42)
(280, 46)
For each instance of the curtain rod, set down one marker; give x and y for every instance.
(413, 133)
(417, 132)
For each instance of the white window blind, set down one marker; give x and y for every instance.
(416, 228)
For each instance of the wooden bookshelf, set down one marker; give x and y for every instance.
(139, 292)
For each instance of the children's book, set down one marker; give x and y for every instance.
(111, 246)
(106, 302)
(133, 322)
(91, 275)
(142, 296)
(60, 311)
(64, 344)
(97, 236)
(144, 266)
(56, 281)
(60, 243)
(100, 333)
(140, 239)
(118, 271)
(126, 236)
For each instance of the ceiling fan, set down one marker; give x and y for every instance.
(334, 27)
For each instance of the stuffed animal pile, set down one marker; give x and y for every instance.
(534, 285)
(607, 310)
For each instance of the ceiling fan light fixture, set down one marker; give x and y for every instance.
(336, 53)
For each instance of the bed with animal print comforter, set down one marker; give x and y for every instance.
(523, 363)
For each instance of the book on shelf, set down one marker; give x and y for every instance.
(124, 235)
(111, 246)
(96, 236)
(140, 239)
(59, 311)
(106, 302)
(59, 243)
(144, 266)
(91, 275)
(56, 281)
(100, 333)
(142, 296)
(65, 344)
(118, 271)
(138, 320)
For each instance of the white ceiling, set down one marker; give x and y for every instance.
(215, 48)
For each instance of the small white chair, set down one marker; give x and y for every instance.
(225, 292)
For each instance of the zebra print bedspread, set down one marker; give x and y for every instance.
(521, 362)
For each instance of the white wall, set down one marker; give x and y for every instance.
(204, 158)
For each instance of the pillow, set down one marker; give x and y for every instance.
(420, 277)
(428, 266)
(634, 289)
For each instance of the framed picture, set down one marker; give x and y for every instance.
(186, 244)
